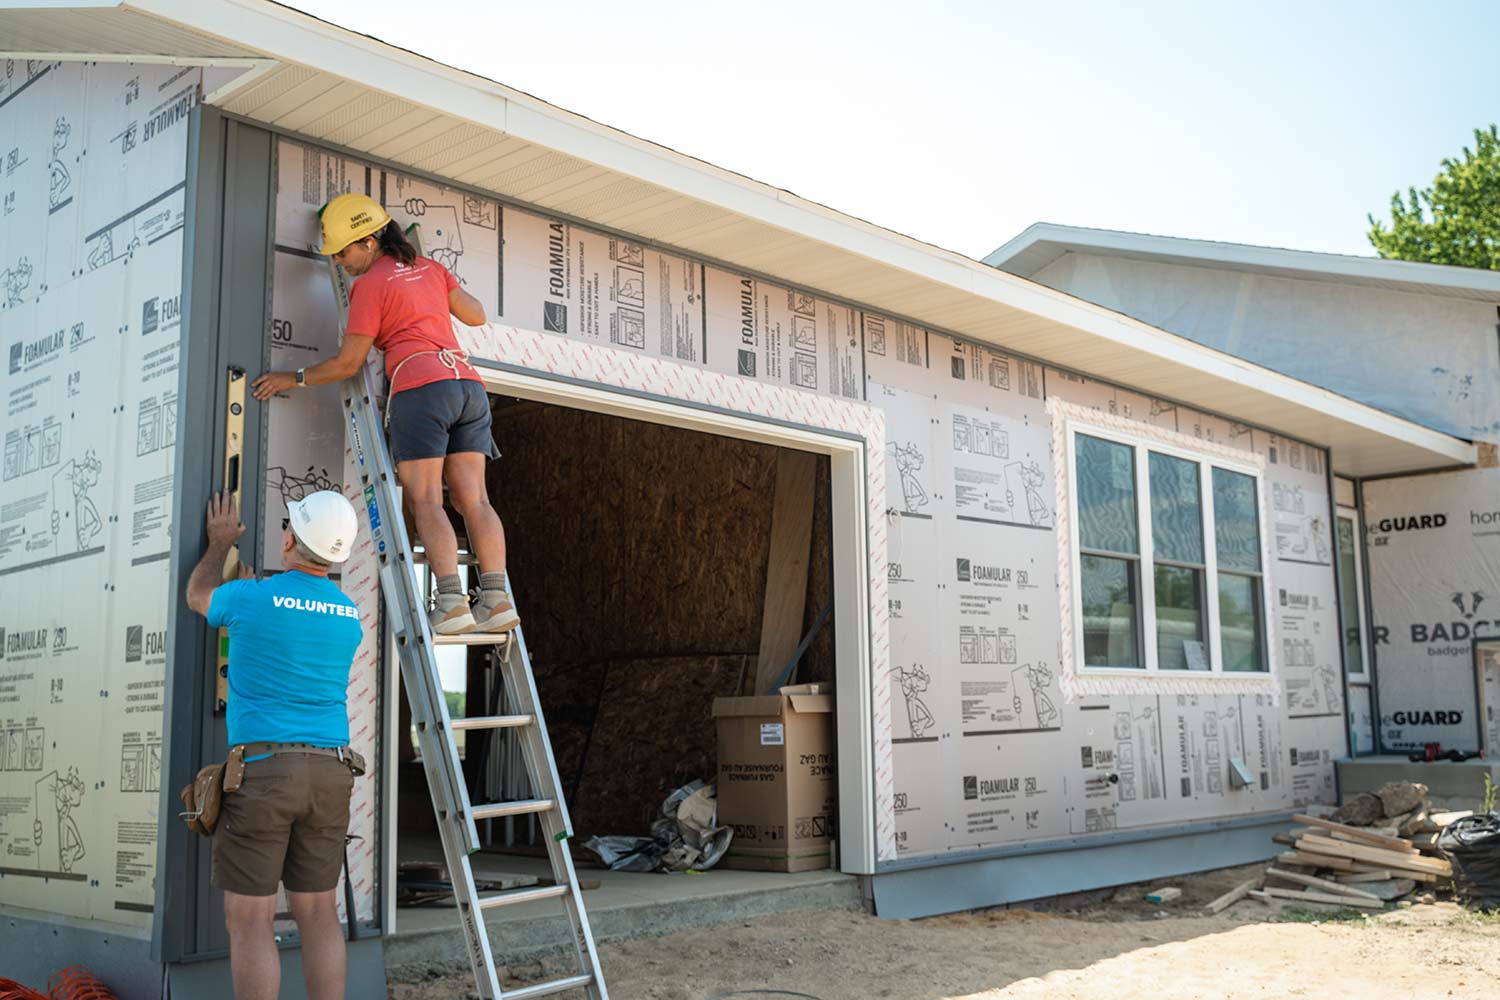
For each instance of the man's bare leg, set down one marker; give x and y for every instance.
(253, 960)
(324, 961)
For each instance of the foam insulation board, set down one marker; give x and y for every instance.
(90, 220)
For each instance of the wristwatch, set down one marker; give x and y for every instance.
(302, 376)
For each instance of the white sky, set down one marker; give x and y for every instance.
(962, 123)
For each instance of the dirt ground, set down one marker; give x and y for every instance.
(1110, 944)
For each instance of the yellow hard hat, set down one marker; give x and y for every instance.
(347, 218)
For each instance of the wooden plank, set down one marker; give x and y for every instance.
(1379, 875)
(1325, 897)
(1231, 897)
(1319, 883)
(1355, 833)
(1285, 839)
(1443, 819)
(786, 569)
(1345, 835)
(1260, 895)
(1309, 859)
(1375, 855)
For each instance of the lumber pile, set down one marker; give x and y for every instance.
(1378, 847)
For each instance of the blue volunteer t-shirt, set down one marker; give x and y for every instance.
(292, 638)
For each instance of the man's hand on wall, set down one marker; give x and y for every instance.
(224, 527)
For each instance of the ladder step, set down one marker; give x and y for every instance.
(492, 722)
(547, 989)
(464, 559)
(520, 808)
(523, 896)
(472, 639)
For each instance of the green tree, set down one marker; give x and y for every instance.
(1457, 220)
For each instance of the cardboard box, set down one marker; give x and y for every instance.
(777, 784)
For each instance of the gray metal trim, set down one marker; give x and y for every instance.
(36, 949)
(366, 974)
(1369, 622)
(699, 258)
(225, 273)
(187, 684)
(1338, 610)
(1085, 843)
(996, 881)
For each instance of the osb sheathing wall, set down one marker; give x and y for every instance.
(638, 556)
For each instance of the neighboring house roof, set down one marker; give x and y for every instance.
(1044, 242)
(292, 72)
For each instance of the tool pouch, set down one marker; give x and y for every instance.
(355, 760)
(202, 799)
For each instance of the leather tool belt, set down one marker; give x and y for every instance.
(203, 797)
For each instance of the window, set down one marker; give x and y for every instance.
(1169, 567)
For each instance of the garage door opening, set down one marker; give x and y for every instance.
(656, 568)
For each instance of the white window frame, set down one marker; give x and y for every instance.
(1069, 421)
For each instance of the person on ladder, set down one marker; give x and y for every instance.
(438, 415)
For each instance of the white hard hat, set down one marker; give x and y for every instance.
(326, 523)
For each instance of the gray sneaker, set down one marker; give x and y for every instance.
(456, 620)
(498, 617)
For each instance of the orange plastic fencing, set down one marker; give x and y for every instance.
(75, 983)
(12, 990)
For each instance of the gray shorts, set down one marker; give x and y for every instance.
(440, 418)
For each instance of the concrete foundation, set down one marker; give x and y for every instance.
(625, 905)
(1452, 785)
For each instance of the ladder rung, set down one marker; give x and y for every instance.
(547, 989)
(464, 559)
(522, 807)
(523, 896)
(491, 722)
(472, 639)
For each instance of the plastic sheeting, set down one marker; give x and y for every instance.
(1427, 358)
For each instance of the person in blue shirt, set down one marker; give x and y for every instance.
(292, 639)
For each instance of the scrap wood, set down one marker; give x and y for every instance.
(1354, 833)
(1378, 875)
(1311, 859)
(1319, 883)
(1444, 819)
(1284, 839)
(1325, 897)
(1380, 856)
(1231, 897)
(1259, 894)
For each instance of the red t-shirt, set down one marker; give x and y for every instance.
(406, 310)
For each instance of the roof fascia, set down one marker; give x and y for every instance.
(1172, 249)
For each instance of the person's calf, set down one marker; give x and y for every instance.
(254, 962)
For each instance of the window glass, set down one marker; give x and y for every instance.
(1109, 612)
(1349, 584)
(1176, 510)
(1240, 622)
(1106, 495)
(1179, 619)
(1236, 530)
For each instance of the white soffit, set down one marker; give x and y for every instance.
(349, 90)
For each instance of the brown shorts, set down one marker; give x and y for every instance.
(286, 824)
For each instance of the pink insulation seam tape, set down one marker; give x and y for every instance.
(611, 367)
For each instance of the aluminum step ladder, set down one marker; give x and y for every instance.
(417, 645)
